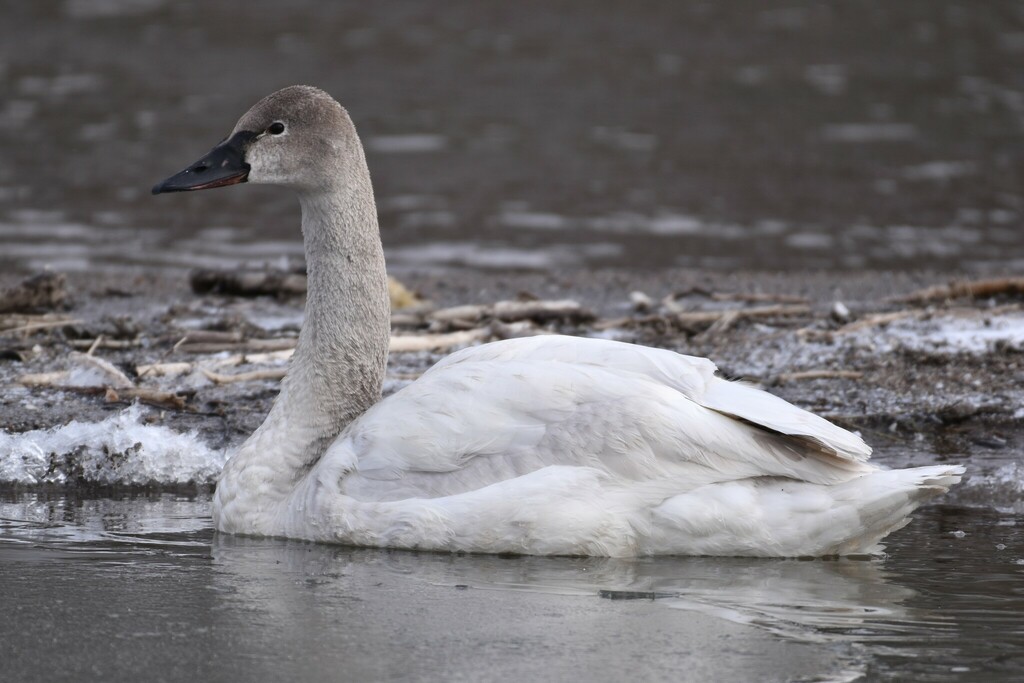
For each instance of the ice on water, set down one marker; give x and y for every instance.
(121, 450)
(1002, 489)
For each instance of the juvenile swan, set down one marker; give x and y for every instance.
(546, 445)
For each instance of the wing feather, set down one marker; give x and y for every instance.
(499, 411)
(692, 376)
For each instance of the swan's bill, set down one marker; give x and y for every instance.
(224, 165)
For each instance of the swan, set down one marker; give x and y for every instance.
(543, 445)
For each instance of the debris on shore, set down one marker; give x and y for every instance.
(45, 291)
(210, 360)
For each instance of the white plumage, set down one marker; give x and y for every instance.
(547, 445)
(563, 445)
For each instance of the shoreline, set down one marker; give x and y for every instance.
(937, 379)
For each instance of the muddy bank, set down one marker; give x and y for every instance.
(938, 379)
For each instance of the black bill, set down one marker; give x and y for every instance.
(224, 165)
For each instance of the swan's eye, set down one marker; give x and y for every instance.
(276, 128)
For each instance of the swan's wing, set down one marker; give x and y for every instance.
(758, 407)
(478, 421)
(687, 374)
(693, 377)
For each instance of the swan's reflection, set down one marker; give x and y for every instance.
(812, 600)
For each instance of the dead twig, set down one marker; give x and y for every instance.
(759, 298)
(183, 368)
(252, 345)
(612, 323)
(54, 380)
(818, 374)
(407, 319)
(117, 379)
(154, 397)
(406, 376)
(719, 321)
(164, 369)
(437, 342)
(522, 328)
(41, 325)
(211, 337)
(513, 311)
(102, 342)
(977, 289)
(93, 346)
(251, 376)
(876, 319)
(44, 379)
(721, 325)
(466, 312)
(712, 322)
(541, 311)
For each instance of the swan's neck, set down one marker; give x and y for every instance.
(339, 362)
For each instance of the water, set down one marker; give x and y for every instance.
(138, 586)
(109, 568)
(551, 135)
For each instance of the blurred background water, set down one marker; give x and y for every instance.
(535, 135)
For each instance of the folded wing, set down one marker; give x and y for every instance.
(639, 416)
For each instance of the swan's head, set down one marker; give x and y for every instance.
(299, 137)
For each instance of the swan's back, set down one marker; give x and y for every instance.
(494, 412)
(691, 376)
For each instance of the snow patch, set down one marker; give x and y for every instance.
(974, 335)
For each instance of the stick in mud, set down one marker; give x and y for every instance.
(513, 311)
(978, 289)
(251, 376)
(706, 319)
(818, 374)
(9, 326)
(437, 342)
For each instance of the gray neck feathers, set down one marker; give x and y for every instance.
(339, 364)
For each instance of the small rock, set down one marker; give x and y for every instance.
(990, 441)
(840, 313)
(641, 302)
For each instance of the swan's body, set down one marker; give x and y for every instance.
(547, 445)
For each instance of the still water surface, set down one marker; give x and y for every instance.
(138, 586)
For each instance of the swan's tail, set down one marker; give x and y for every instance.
(885, 499)
(776, 517)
